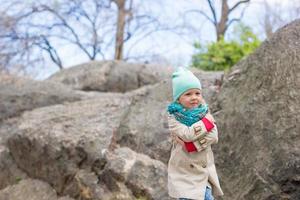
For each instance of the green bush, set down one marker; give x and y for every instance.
(222, 55)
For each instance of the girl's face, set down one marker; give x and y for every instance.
(192, 98)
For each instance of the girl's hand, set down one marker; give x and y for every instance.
(178, 140)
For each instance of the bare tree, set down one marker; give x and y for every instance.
(92, 27)
(276, 15)
(16, 50)
(222, 23)
(119, 43)
(41, 24)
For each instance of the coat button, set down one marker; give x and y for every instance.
(203, 165)
(203, 141)
(191, 166)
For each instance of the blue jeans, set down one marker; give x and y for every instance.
(208, 195)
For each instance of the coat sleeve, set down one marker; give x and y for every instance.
(207, 140)
(186, 133)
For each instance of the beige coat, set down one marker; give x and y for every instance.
(190, 173)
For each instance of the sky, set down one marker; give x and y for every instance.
(175, 50)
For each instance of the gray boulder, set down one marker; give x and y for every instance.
(258, 113)
(8, 127)
(21, 94)
(64, 145)
(146, 178)
(54, 142)
(92, 187)
(30, 189)
(144, 127)
(9, 172)
(110, 76)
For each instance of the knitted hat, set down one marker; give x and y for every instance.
(183, 80)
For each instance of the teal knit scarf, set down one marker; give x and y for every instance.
(187, 116)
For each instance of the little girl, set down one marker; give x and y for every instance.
(191, 169)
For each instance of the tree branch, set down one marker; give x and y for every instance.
(70, 29)
(203, 14)
(238, 4)
(236, 19)
(213, 11)
(51, 51)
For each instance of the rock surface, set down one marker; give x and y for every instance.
(21, 94)
(30, 189)
(258, 113)
(145, 177)
(53, 142)
(111, 76)
(9, 172)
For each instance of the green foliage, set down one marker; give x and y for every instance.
(222, 55)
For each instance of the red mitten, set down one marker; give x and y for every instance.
(190, 147)
(208, 124)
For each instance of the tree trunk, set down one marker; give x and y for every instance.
(269, 20)
(268, 27)
(222, 24)
(120, 29)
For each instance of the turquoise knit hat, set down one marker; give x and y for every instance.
(183, 80)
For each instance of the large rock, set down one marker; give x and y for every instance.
(144, 127)
(8, 127)
(124, 175)
(21, 94)
(30, 189)
(112, 76)
(258, 114)
(145, 177)
(64, 145)
(9, 172)
(54, 142)
(93, 187)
